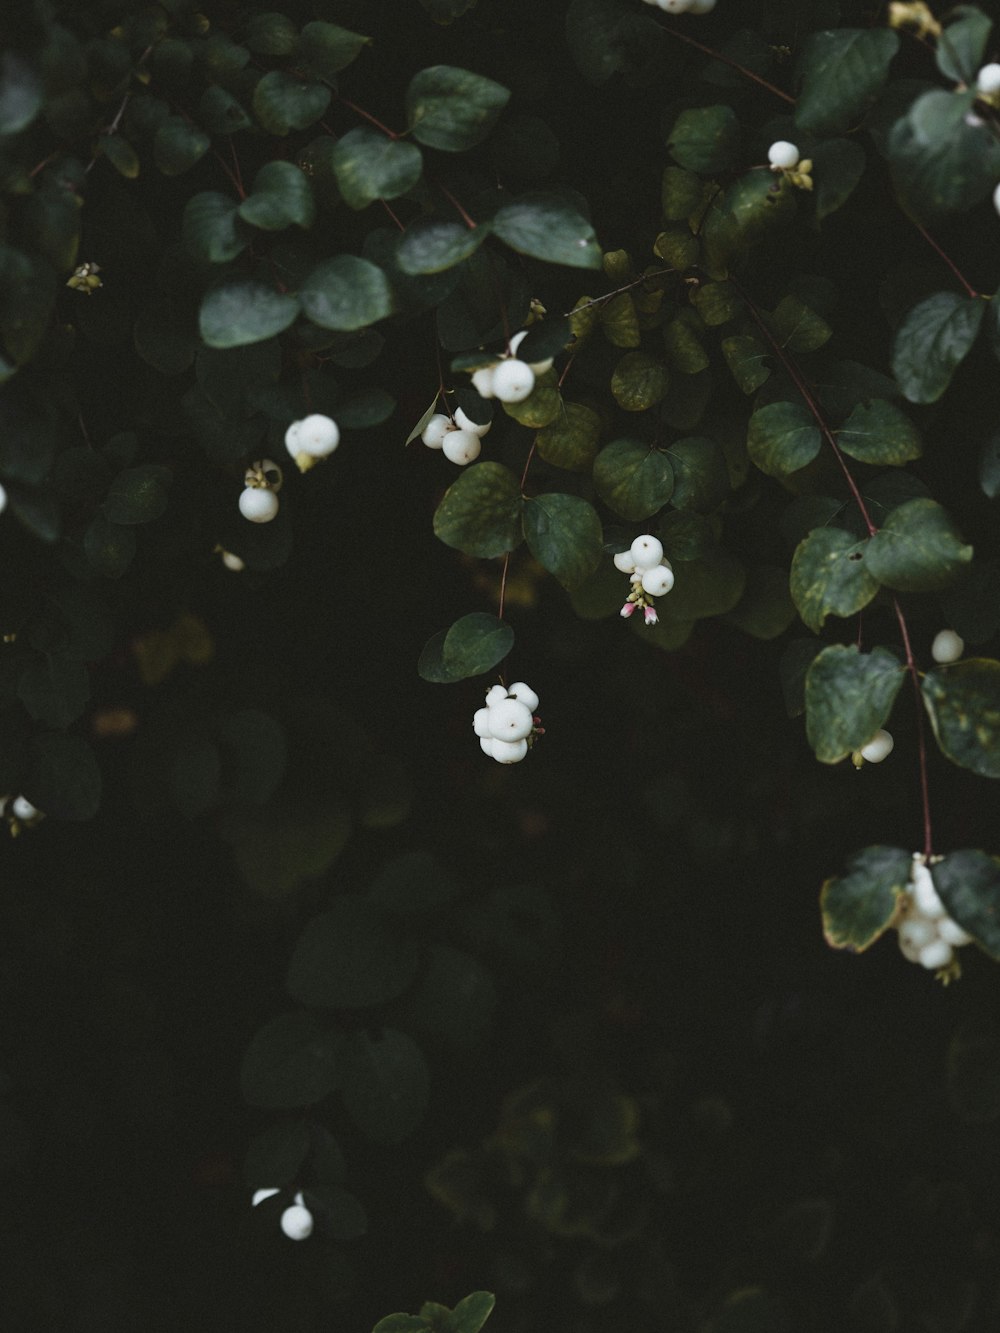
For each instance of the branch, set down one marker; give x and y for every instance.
(733, 64)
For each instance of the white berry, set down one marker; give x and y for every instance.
(646, 552)
(3, 499)
(233, 562)
(436, 429)
(879, 747)
(524, 694)
(509, 752)
(513, 381)
(297, 1222)
(510, 720)
(952, 932)
(258, 505)
(674, 6)
(988, 79)
(22, 809)
(482, 381)
(947, 645)
(539, 367)
(318, 435)
(494, 695)
(624, 562)
(461, 446)
(925, 895)
(917, 931)
(783, 155)
(481, 722)
(936, 954)
(486, 744)
(464, 422)
(996, 199)
(260, 1195)
(658, 580)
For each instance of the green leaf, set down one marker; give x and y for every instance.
(433, 246)
(178, 145)
(164, 336)
(27, 295)
(271, 34)
(681, 193)
(290, 1062)
(386, 1084)
(109, 548)
(710, 586)
(858, 907)
(701, 478)
(849, 695)
(932, 341)
(564, 535)
(346, 293)
(842, 74)
(944, 159)
(120, 153)
(54, 688)
(918, 549)
(620, 321)
(795, 662)
(414, 883)
(963, 701)
(470, 1314)
(405, 1323)
(570, 441)
(472, 646)
(369, 166)
(745, 356)
(22, 93)
(453, 109)
(783, 437)
(62, 778)
(480, 513)
(716, 302)
(960, 48)
(541, 407)
(283, 103)
(605, 36)
(799, 328)
(256, 752)
(705, 139)
(766, 608)
(211, 227)
(220, 113)
(968, 883)
(829, 576)
(282, 197)
(639, 382)
(368, 409)
(686, 535)
(139, 494)
(547, 227)
(633, 479)
(878, 432)
(346, 958)
(277, 1155)
(454, 1000)
(838, 165)
(326, 49)
(238, 313)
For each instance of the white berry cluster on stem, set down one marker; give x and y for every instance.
(262, 482)
(651, 575)
(506, 725)
(683, 6)
(313, 438)
(784, 159)
(458, 437)
(19, 813)
(296, 1220)
(509, 379)
(927, 934)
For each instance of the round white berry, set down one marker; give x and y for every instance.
(952, 932)
(624, 562)
(917, 930)
(646, 552)
(291, 438)
(524, 694)
(701, 6)
(635, 578)
(510, 720)
(658, 580)
(318, 435)
(947, 645)
(936, 954)
(436, 429)
(233, 562)
(494, 695)
(482, 381)
(674, 6)
(513, 381)
(486, 744)
(3, 499)
(988, 79)
(258, 505)
(996, 199)
(297, 1222)
(461, 446)
(879, 747)
(481, 722)
(22, 809)
(909, 950)
(464, 422)
(783, 155)
(538, 367)
(260, 1195)
(925, 895)
(509, 752)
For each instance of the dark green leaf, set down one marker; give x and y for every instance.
(746, 356)
(165, 336)
(120, 153)
(918, 549)
(445, 11)
(212, 229)
(453, 109)
(470, 1314)
(414, 882)
(271, 34)
(829, 576)
(710, 586)
(54, 688)
(961, 46)
(686, 535)
(369, 409)
(705, 139)
(633, 479)
(639, 382)
(282, 103)
(178, 145)
(858, 907)
(386, 1084)
(62, 778)
(570, 441)
(968, 883)
(326, 49)
(369, 166)
(476, 643)
(766, 608)
(431, 247)
(849, 695)
(878, 432)
(282, 196)
(406, 1323)
(547, 227)
(799, 328)
(290, 1062)
(139, 494)
(701, 478)
(347, 959)
(109, 548)
(21, 93)
(783, 437)
(256, 751)
(275, 1157)
(346, 293)
(932, 341)
(481, 513)
(243, 312)
(220, 112)
(563, 533)
(838, 165)
(681, 193)
(963, 701)
(944, 158)
(716, 302)
(454, 999)
(842, 74)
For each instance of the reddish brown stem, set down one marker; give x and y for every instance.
(503, 589)
(366, 115)
(911, 666)
(392, 215)
(457, 206)
(969, 289)
(733, 64)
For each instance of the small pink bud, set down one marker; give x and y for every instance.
(650, 615)
(627, 609)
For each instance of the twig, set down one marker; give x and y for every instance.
(969, 289)
(733, 64)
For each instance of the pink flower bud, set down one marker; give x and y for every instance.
(650, 615)
(627, 609)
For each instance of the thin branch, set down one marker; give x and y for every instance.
(503, 587)
(911, 666)
(457, 206)
(969, 289)
(733, 64)
(636, 282)
(366, 115)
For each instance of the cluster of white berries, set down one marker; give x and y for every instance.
(988, 90)
(683, 6)
(314, 437)
(509, 379)
(458, 437)
(262, 482)
(651, 575)
(296, 1220)
(784, 158)
(507, 722)
(19, 813)
(927, 934)
(309, 440)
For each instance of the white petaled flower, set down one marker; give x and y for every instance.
(782, 155)
(436, 429)
(260, 1195)
(464, 422)
(461, 446)
(297, 1222)
(878, 748)
(988, 79)
(947, 645)
(646, 552)
(258, 505)
(513, 380)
